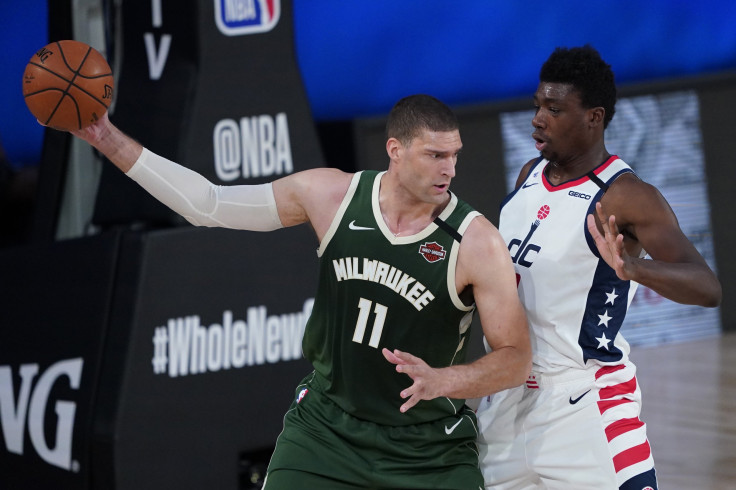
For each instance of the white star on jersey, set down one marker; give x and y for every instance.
(611, 297)
(604, 319)
(603, 341)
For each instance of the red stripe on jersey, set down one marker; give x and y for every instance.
(604, 405)
(633, 455)
(619, 389)
(622, 426)
(573, 183)
(608, 370)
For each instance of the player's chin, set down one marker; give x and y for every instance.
(437, 198)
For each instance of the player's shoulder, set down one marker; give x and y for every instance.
(528, 165)
(632, 199)
(323, 180)
(327, 173)
(482, 252)
(630, 188)
(481, 236)
(525, 169)
(314, 188)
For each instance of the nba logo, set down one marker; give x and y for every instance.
(241, 17)
(301, 395)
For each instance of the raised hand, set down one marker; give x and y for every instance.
(611, 243)
(427, 380)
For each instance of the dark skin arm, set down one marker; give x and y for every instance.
(524, 172)
(632, 216)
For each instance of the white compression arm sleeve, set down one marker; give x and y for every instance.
(202, 203)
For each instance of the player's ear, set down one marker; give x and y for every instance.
(596, 115)
(393, 147)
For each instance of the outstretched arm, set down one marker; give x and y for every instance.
(632, 216)
(484, 264)
(312, 195)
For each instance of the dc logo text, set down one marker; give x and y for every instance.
(520, 249)
(30, 409)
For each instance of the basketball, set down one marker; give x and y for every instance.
(67, 85)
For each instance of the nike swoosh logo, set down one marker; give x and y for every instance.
(529, 185)
(573, 402)
(353, 226)
(450, 430)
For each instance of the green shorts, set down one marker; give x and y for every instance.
(323, 447)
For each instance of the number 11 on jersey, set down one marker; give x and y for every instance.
(365, 310)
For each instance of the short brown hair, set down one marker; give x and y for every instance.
(415, 113)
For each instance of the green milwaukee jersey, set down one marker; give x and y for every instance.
(377, 290)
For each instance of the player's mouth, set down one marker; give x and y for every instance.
(442, 187)
(541, 143)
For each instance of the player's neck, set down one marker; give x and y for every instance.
(564, 170)
(405, 216)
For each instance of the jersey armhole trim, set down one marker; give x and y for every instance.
(452, 265)
(339, 214)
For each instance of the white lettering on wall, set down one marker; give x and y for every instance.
(29, 410)
(185, 347)
(258, 146)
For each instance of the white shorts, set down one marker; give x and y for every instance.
(579, 430)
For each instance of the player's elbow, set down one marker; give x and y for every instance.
(713, 295)
(708, 292)
(526, 367)
(522, 366)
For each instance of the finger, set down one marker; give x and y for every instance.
(407, 392)
(604, 223)
(408, 369)
(406, 357)
(599, 212)
(390, 357)
(612, 225)
(410, 403)
(593, 227)
(620, 242)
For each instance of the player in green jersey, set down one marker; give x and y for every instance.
(404, 266)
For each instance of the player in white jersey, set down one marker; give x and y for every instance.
(578, 227)
(575, 424)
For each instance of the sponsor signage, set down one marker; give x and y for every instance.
(51, 341)
(26, 414)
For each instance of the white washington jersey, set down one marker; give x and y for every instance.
(574, 301)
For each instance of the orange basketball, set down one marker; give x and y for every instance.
(67, 85)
